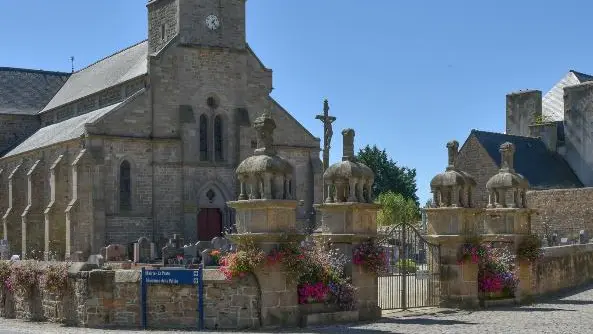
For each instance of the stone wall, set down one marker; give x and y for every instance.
(565, 211)
(562, 267)
(104, 299)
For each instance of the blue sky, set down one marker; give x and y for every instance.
(407, 75)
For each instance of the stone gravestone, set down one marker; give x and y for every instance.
(115, 252)
(176, 241)
(206, 258)
(142, 251)
(4, 250)
(583, 237)
(563, 241)
(171, 254)
(221, 243)
(190, 251)
(96, 259)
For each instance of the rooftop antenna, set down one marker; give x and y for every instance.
(72, 62)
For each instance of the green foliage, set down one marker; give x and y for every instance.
(396, 209)
(406, 265)
(54, 278)
(542, 119)
(4, 273)
(388, 176)
(25, 275)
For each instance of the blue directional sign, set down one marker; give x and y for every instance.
(171, 277)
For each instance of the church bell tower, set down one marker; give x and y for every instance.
(210, 23)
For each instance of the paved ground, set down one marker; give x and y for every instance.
(568, 314)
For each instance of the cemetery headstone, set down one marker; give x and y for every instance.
(172, 255)
(563, 241)
(190, 251)
(115, 252)
(221, 243)
(206, 258)
(96, 259)
(142, 251)
(583, 237)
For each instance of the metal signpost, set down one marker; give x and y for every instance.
(173, 277)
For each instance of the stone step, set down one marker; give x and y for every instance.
(329, 318)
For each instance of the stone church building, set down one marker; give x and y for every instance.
(552, 134)
(145, 142)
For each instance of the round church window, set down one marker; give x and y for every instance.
(211, 102)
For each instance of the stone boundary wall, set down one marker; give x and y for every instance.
(566, 211)
(111, 299)
(562, 267)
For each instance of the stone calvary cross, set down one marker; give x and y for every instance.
(328, 132)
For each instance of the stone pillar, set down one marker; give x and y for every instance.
(17, 201)
(32, 217)
(271, 223)
(346, 225)
(72, 209)
(55, 225)
(511, 225)
(449, 227)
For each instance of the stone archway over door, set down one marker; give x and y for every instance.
(209, 224)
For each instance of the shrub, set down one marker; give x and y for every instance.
(497, 272)
(530, 248)
(247, 258)
(371, 256)
(54, 278)
(24, 275)
(4, 274)
(406, 265)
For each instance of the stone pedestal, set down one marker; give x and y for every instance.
(450, 227)
(345, 225)
(270, 223)
(507, 221)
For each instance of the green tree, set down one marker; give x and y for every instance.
(388, 176)
(395, 209)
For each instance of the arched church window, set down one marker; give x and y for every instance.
(218, 138)
(203, 138)
(125, 186)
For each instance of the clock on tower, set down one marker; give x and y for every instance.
(210, 23)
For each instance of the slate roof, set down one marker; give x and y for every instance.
(553, 101)
(60, 132)
(118, 68)
(25, 91)
(542, 168)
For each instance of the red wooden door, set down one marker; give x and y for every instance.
(209, 224)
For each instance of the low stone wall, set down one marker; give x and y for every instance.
(564, 211)
(105, 298)
(562, 267)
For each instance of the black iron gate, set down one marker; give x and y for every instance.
(412, 277)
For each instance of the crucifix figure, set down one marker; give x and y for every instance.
(328, 132)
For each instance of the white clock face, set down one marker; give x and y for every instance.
(212, 22)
